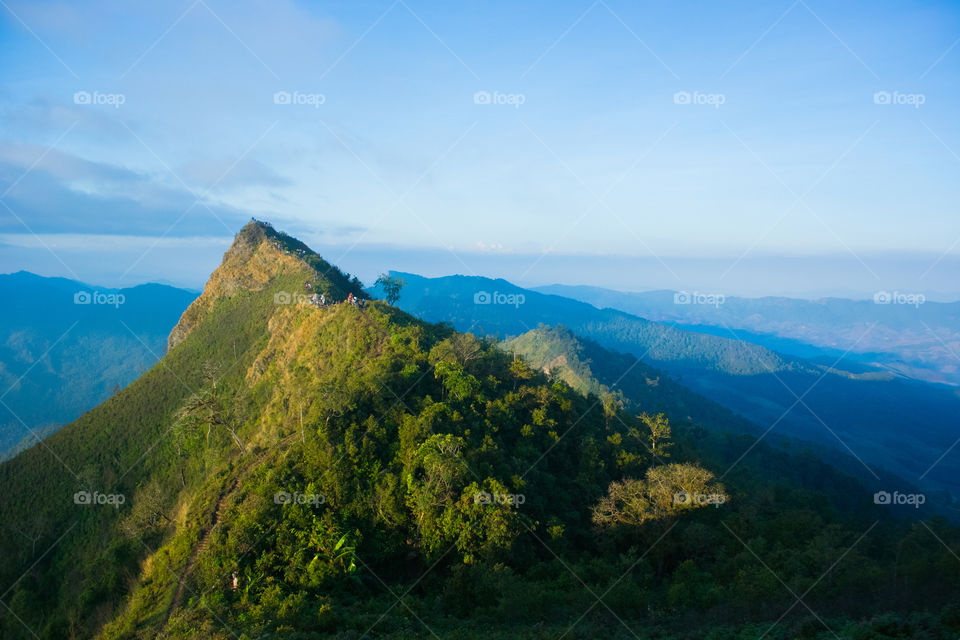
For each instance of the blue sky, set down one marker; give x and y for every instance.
(804, 148)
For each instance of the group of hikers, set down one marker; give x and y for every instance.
(320, 300)
(280, 247)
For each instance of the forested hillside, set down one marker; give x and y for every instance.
(899, 425)
(591, 369)
(297, 470)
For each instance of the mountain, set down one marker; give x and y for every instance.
(624, 380)
(591, 369)
(880, 419)
(901, 332)
(66, 346)
(290, 470)
(473, 303)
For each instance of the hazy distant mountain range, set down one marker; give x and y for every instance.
(898, 331)
(65, 346)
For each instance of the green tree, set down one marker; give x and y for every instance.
(659, 435)
(391, 287)
(434, 484)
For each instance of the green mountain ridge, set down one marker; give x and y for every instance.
(293, 471)
(591, 369)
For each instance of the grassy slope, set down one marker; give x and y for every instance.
(78, 566)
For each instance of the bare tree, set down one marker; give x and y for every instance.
(210, 408)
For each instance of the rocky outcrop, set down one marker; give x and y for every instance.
(249, 265)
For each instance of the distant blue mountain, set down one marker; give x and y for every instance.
(898, 331)
(65, 346)
(485, 305)
(905, 426)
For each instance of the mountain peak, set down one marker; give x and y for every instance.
(259, 257)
